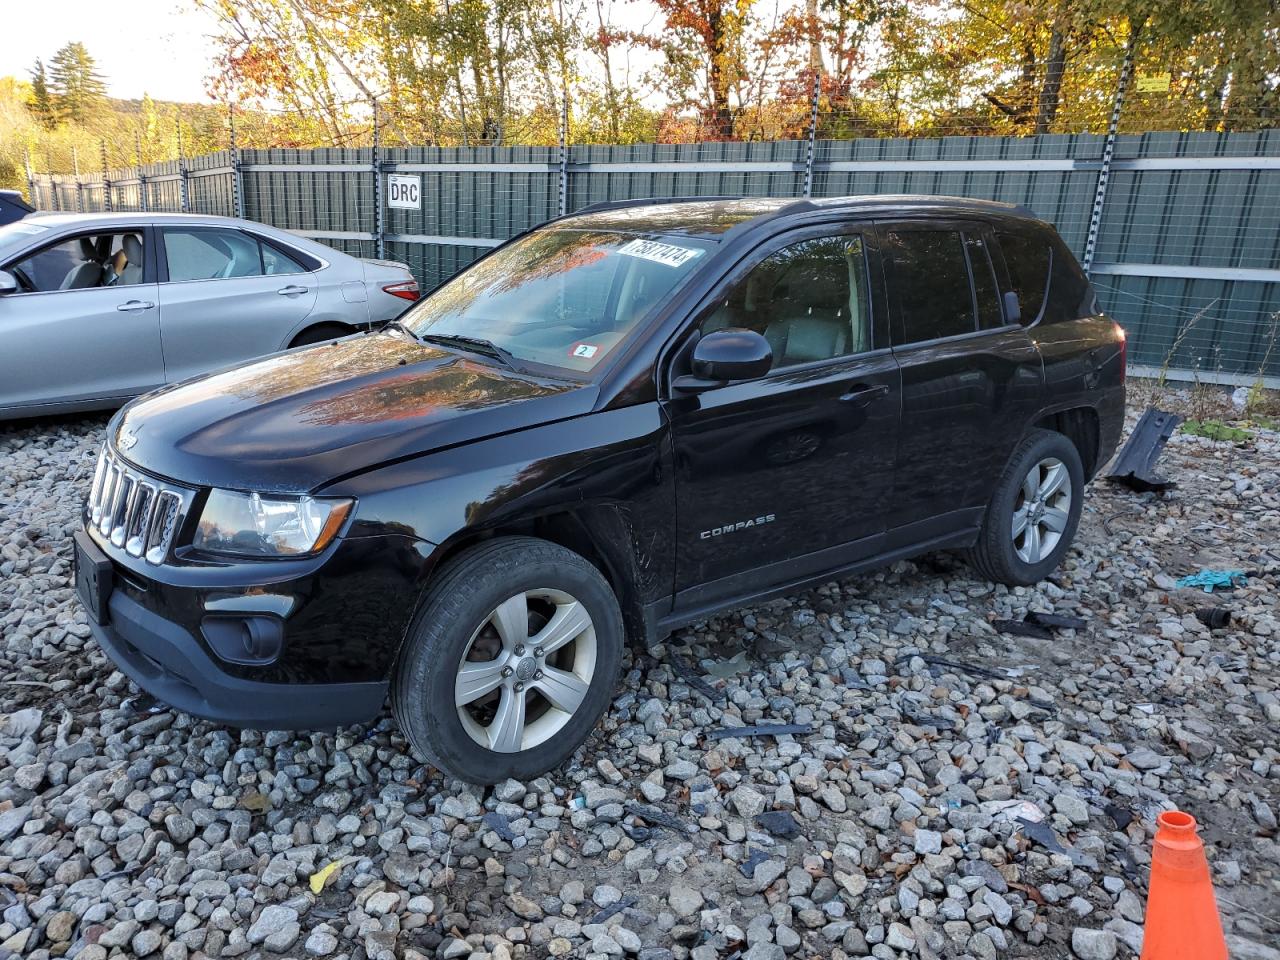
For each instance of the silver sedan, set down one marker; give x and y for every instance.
(98, 308)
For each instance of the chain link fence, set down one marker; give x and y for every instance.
(1171, 200)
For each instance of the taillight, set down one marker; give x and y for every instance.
(408, 290)
(1124, 349)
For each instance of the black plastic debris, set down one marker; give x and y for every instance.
(659, 818)
(754, 858)
(613, 908)
(498, 824)
(1119, 814)
(695, 682)
(1214, 617)
(779, 823)
(1042, 834)
(1055, 621)
(1023, 628)
(957, 665)
(761, 730)
(1135, 465)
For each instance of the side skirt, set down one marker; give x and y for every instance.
(660, 624)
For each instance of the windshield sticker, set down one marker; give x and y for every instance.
(584, 350)
(667, 254)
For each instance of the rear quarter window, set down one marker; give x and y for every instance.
(1070, 293)
(1050, 285)
(1028, 258)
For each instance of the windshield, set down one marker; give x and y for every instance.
(563, 298)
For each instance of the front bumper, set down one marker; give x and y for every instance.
(167, 662)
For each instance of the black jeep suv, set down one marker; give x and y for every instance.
(618, 423)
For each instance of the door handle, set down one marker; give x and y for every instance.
(134, 306)
(864, 393)
(292, 290)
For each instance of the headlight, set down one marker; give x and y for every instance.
(246, 524)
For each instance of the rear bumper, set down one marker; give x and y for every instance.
(167, 662)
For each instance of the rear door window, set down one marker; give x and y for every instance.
(986, 292)
(1028, 258)
(931, 284)
(211, 254)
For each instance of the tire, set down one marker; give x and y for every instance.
(320, 333)
(470, 614)
(1049, 516)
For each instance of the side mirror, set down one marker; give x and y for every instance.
(8, 283)
(1012, 309)
(726, 356)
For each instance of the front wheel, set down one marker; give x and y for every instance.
(1033, 514)
(511, 661)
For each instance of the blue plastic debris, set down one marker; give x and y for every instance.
(1208, 579)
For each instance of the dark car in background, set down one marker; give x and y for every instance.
(12, 207)
(622, 422)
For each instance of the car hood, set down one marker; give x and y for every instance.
(296, 421)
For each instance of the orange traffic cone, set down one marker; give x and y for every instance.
(1182, 915)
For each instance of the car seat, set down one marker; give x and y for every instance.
(87, 273)
(131, 247)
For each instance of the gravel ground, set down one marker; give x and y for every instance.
(962, 792)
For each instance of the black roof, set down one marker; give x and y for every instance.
(710, 217)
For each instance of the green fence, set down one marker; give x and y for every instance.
(1187, 231)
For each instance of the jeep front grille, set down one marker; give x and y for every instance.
(134, 511)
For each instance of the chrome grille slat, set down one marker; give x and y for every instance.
(120, 515)
(134, 511)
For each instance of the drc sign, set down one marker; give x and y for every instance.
(404, 193)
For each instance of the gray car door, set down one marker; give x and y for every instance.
(75, 331)
(223, 299)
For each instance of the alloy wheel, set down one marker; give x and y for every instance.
(1042, 510)
(526, 670)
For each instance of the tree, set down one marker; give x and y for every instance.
(41, 102)
(76, 84)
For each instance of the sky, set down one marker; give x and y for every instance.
(160, 47)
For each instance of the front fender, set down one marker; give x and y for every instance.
(610, 470)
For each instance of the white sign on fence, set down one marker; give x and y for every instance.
(404, 192)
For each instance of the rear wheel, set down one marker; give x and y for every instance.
(320, 333)
(512, 659)
(1033, 514)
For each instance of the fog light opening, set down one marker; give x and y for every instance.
(244, 640)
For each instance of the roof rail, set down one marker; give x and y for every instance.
(647, 202)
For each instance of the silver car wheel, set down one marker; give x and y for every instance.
(1042, 510)
(526, 670)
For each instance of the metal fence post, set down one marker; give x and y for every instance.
(1108, 151)
(379, 244)
(31, 179)
(813, 134)
(564, 154)
(75, 166)
(106, 178)
(236, 200)
(142, 177)
(183, 204)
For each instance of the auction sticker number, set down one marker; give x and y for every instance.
(668, 254)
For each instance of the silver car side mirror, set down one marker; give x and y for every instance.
(8, 283)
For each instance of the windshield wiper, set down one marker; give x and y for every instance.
(474, 344)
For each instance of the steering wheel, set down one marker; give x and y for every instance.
(23, 280)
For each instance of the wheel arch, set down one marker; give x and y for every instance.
(598, 533)
(1082, 426)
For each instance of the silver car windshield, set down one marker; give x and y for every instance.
(562, 298)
